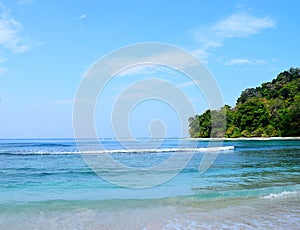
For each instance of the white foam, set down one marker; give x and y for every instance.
(283, 194)
(163, 150)
(113, 151)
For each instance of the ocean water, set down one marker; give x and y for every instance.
(48, 184)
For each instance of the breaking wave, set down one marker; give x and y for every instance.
(116, 151)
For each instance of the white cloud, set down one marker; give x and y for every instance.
(10, 38)
(202, 53)
(25, 2)
(237, 25)
(242, 25)
(239, 61)
(83, 16)
(188, 84)
(10, 30)
(134, 63)
(2, 70)
(139, 70)
(244, 61)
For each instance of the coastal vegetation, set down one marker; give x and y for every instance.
(269, 110)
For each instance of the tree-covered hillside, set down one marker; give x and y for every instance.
(272, 109)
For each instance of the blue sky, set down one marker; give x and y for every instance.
(47, 46)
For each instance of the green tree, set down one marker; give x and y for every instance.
(272, 109)
(251, 115)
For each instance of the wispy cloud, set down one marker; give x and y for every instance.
(237, 25)
(135, 64)
(10, 35)
(244, 61)
(10, 31)
(188, 84)
(83, 16)
(242, 25)
(139, 70)
(25, 2)
(2, 70)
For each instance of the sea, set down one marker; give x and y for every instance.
(55, 184)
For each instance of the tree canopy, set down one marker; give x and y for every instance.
(272, 109)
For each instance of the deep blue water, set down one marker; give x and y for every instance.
(42, 178)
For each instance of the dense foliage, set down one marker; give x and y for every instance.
(272, 109)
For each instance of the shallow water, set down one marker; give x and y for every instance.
(46, 184)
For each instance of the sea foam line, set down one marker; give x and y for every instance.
(114, 151)
(283, 194)
(163, 150)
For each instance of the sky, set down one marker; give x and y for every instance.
(47, 47)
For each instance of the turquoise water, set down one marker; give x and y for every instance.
(46, 184)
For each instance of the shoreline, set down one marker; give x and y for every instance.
(245, 138)
(158, 138)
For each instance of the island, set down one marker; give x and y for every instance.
(269, 110)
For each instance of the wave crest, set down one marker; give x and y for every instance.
(114, 151)
(283, 194)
